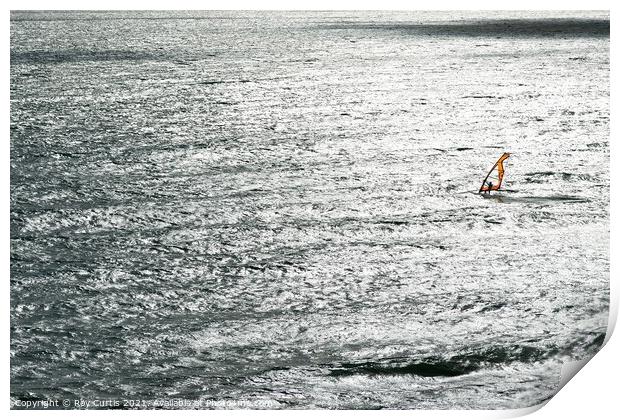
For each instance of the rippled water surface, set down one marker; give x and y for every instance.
(278, 206)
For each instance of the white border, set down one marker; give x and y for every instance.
(310, 5)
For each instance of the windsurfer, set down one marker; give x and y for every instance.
(489, 187)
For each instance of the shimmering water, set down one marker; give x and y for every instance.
(277, 207)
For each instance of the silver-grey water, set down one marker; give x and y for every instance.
(278, 207)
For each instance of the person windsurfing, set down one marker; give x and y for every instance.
(489, 187)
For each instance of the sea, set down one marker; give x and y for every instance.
(277, 209)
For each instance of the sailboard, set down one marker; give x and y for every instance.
(493, 180)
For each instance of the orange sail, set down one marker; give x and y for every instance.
(494, 178)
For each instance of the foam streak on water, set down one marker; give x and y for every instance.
(269, 205)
